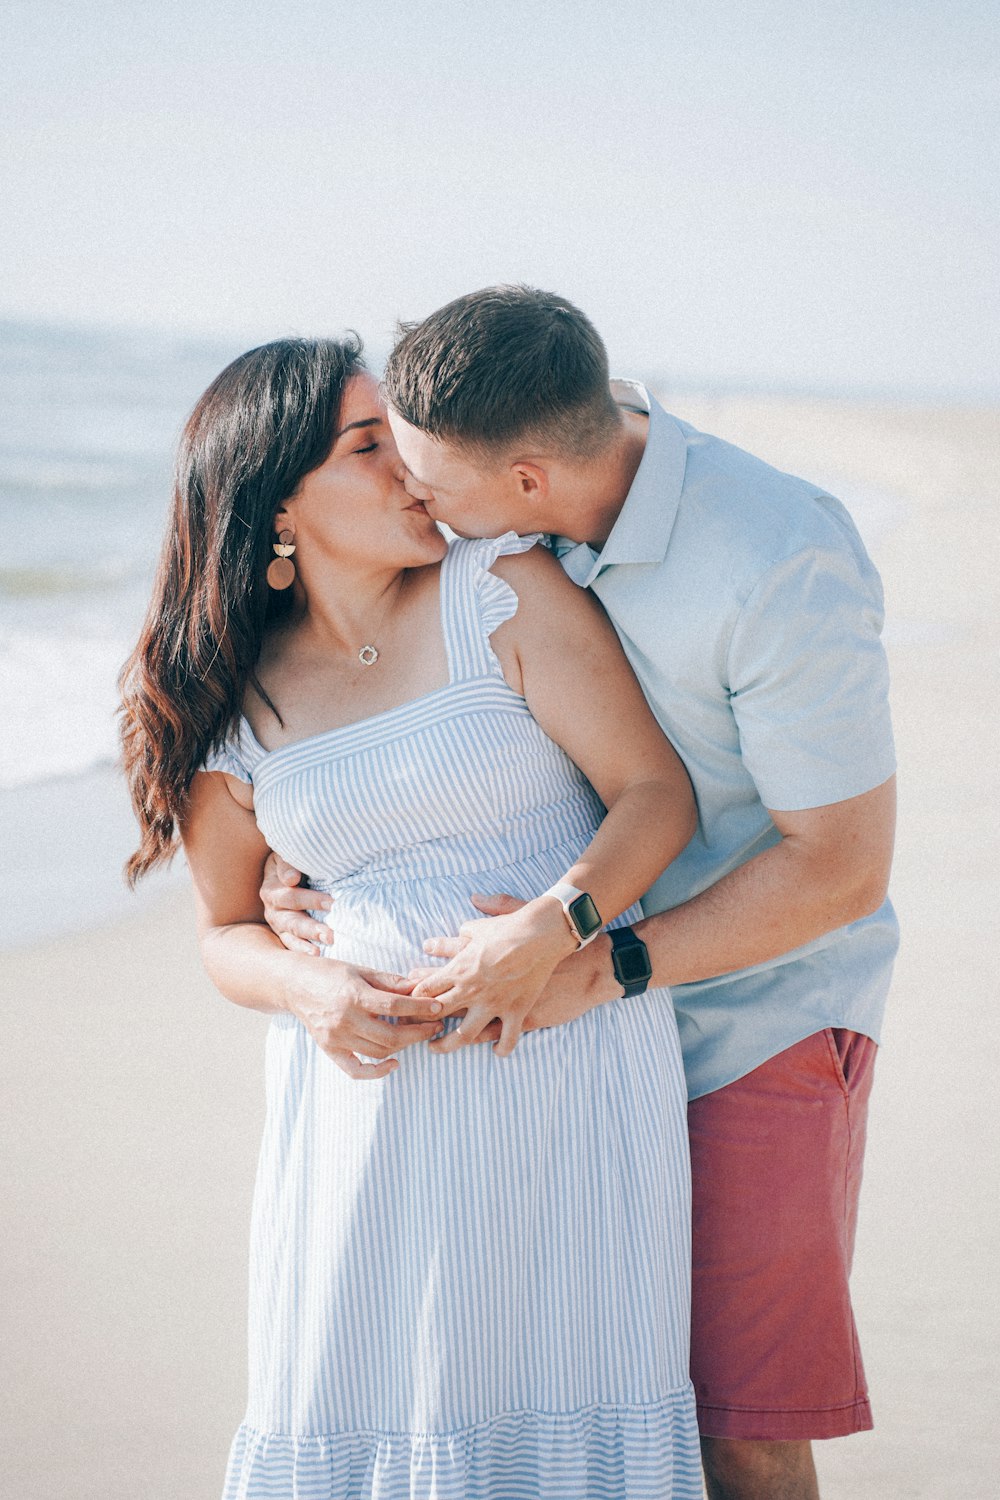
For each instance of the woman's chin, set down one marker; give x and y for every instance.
(433, 546)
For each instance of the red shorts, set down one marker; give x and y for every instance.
(776, 1163)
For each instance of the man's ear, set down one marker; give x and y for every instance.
(532, 482)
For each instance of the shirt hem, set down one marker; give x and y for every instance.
(813, 1029)
(794, 1425)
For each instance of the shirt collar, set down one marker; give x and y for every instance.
(642, 531)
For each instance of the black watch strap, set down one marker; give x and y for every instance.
(630, 960)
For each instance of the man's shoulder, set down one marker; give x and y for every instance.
(720, 474)
(751, 513)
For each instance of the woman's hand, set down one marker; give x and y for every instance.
(499, 971)
(341, 1007)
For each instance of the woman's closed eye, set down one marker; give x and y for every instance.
(369, 448)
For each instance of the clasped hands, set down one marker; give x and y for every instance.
(515, 969)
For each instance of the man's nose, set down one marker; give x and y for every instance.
(414, 488)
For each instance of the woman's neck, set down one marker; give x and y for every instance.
(342, 610)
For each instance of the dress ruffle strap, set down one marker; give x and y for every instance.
(497, 600)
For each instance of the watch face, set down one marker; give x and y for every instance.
(632, 963)
(584, 916)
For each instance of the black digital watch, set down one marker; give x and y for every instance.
(630, 960)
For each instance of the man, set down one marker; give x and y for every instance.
(751, 614)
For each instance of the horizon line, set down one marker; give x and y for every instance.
(689, 383)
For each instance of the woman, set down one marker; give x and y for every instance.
(469, 1277)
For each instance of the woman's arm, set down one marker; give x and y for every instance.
(561, 652)
(339, 1004)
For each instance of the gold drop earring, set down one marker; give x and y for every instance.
(281, 572)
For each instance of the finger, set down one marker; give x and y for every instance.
(280, 876)
(284, 872)
(371, 1032)
(510, 1032)
(409, 1033)
(416, 975)
(475, 1021)
(443, 947)
(301, 898)
(381, 979)
(437, 983)
(378, 1003)
(349, 1064)
(402, 1037)
(310, 931)
(498, 905)
(301, 926)
(297, 945)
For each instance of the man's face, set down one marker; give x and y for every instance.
(474, 501)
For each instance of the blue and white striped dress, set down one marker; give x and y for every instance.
(469, 1280)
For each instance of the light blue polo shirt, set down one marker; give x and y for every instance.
(752, 615)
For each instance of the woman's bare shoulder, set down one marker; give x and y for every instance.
(539, 581)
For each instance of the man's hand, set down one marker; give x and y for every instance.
(499, 971)
(580, 982)
(287, 904)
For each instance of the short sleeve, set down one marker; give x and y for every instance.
(225, 760)
(231, 757)
(809, 681)
(497, 600)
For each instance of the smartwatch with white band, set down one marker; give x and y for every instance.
(581, 913)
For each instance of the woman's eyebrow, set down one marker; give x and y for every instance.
(368, 422)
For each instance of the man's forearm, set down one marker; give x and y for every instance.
(777, 901)
(783, 898)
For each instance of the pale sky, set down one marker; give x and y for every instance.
(782, 193)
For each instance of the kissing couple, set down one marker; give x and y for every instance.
(575, 1010)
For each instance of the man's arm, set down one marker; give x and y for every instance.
(808, 688)
(830, 869)
(808, 684)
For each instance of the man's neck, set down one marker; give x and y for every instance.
(597, 491)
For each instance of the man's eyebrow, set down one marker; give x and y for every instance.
(368, 422)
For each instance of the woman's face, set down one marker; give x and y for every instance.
(354, 507)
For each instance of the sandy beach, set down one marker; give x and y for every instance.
(134, 1093)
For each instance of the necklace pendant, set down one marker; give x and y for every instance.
(368, 656)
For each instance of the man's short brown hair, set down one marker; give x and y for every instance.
(505, 366)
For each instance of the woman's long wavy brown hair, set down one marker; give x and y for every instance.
(262, 425)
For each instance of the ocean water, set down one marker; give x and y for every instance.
(89, 422)
(88, 425)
